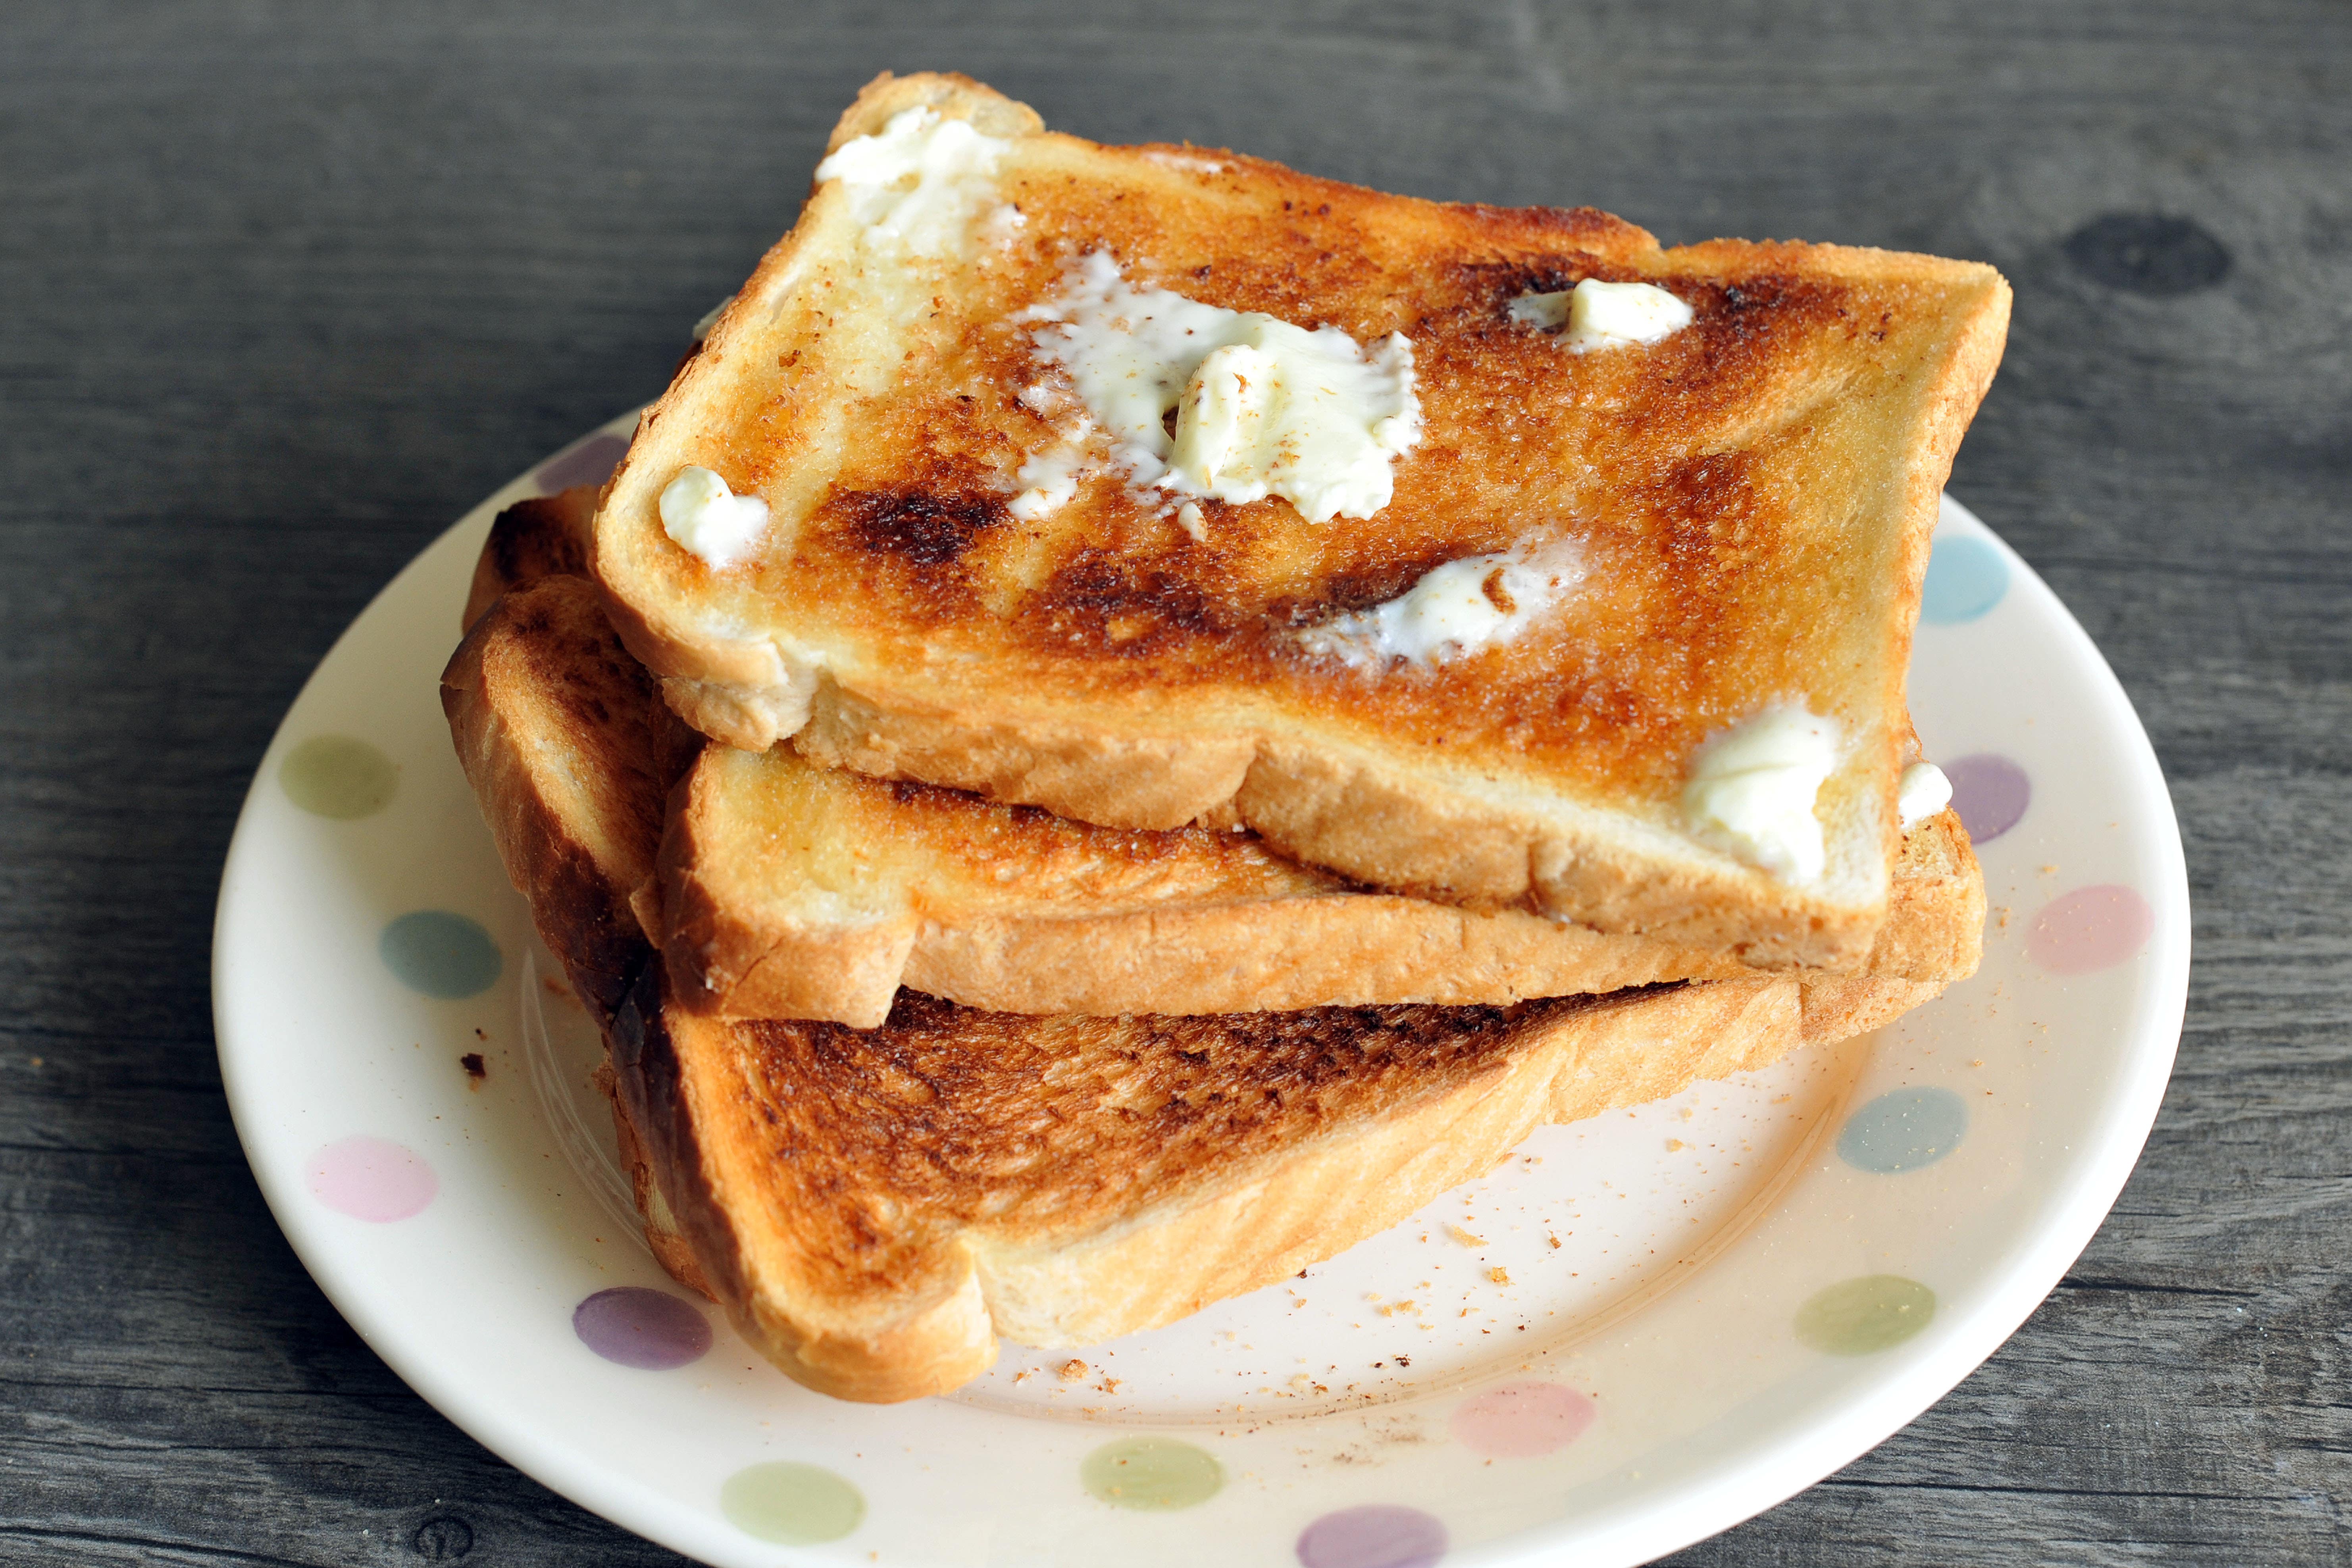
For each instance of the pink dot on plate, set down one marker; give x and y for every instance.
(371, 1179)
(1378, 1535)
(2090, 928)
(1520, 1420)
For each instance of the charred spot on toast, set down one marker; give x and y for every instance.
(918, 526)
(1108, 602)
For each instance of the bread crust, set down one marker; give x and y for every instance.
(1384, 814)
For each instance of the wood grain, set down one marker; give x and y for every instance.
(288, 286)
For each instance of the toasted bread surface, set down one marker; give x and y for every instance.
(1751, 499)
(791, 891)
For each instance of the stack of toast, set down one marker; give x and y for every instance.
(1132, 716)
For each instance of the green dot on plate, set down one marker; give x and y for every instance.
(441, 954)
(793, 1505)
(1156, 1473)
(1859, 1317)
(338, 777)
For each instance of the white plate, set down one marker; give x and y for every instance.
(1752, 1283)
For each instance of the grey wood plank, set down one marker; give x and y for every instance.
(290, 285)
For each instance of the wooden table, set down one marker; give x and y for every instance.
(288, 287)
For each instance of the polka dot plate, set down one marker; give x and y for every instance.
(1634, 1332)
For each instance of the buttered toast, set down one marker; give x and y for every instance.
(1491, 556)
(874, 1207)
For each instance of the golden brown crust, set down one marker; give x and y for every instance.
(1837, 1007)
(1754, 497)
(1936, 911)
(572, 754)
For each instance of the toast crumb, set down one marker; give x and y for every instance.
(1499, 1275)
(1072, 1369)
(1463, 1237)
(474, 1069)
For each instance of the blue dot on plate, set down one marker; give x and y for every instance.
(1903, 1130)
(441, 954)
(1966, 577)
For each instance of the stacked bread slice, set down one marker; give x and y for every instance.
(1032, 893)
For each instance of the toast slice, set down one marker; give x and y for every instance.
(940, 534)
(874, 1207)
(791, 891)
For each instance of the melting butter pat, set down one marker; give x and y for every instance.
(1225, 423)
(1049, 480)
(918, 183)
(703, 516)
(1261, 406)
(1752, 790)
(1461, 609)
(1922, 792)
(1604, 315)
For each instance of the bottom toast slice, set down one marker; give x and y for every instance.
(874, 1208)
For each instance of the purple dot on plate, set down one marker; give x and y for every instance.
(1520, 1420)
(2090, 928)
(1990, 793)
(371, 1179)
(590, 463)
(637, 1327)
(1380, 1535)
